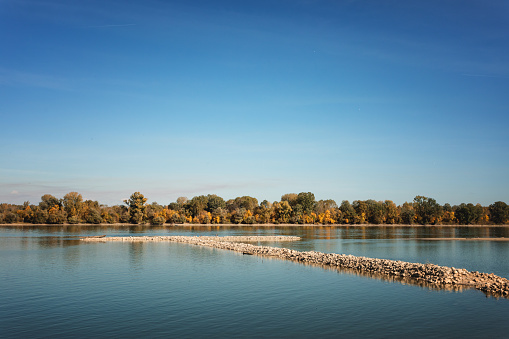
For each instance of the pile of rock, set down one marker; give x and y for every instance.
(429, 273)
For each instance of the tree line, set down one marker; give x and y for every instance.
(301, 208)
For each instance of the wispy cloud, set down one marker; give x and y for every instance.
(111, 25)
(484, 76)
(17, 78)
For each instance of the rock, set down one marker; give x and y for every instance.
(444, 276)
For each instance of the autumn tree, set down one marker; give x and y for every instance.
(92, 212)
(56, 215)
(282, 211)
(291, 198)
(263, 212)
(155, 214)
(73, 205)
(26, 213)
(137, 207)
(361, 211)
(48, 201)
(323, 205)
(391, 213)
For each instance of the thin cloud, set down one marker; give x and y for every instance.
(484, 76)
(17, 78)
(111, 25)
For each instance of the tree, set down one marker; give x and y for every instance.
(307, 201)
(137, 206)
(214, 202)
(407, 213)
(266, 204)
(73, 205)
(155, 211)
(196, 205)
(246, 202)
(92, 212)
(56, 215)
(361, 211)
(48, 201)
(427, 210)
(374, 211)
(347, 212)
(282, 211)
(323, 205)
(263, 212)
(468, 214)
(291, 198)
(499, 212)
(391, 213)
(40, 216)
(237, 215)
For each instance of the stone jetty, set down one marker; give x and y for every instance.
(429, 274)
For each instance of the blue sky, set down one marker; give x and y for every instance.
(346, 99)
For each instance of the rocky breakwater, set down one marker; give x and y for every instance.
(431, 274)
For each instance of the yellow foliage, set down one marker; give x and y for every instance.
(54, 209)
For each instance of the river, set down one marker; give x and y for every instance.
(54, 285)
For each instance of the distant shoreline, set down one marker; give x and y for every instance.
(245, 225)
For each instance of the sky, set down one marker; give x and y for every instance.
(350, 100)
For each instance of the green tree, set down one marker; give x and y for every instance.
(347, 212)
(374, 211)
(137, 207)
(407, 213)
(307, 201)
(40, 216)
(499, 212)
(214, 202)
(427, 210)
(237, 215)
(197, 205)
(468, 214)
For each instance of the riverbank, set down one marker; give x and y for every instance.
(438, 276)
(244, 225)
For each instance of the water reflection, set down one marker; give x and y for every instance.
(405, 280)
(136, 255)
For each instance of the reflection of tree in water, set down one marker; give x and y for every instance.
(136, 254)
(55, 241)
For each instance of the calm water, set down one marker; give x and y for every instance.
(53, 285)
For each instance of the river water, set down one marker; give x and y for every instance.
(53, 285)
